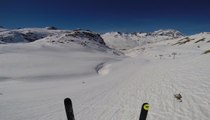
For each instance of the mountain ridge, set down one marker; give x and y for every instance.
(119, 41)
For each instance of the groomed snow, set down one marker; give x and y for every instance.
(36, 77)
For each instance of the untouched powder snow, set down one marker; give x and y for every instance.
(36, 77)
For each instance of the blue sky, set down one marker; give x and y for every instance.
(188, 16)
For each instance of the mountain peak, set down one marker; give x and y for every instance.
(168, 32)
(51, 28)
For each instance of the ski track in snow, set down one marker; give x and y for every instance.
(117, 93)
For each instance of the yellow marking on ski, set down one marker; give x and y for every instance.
(146, 107)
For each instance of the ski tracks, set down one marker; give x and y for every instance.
(155, 82)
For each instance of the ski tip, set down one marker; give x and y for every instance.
(67, 100)
(144, 111)
(69, 109)
(145, 106)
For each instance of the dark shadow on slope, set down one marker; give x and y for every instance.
(2, 79)
(48, 77)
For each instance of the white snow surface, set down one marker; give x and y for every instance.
(125, 41)
(36, 77)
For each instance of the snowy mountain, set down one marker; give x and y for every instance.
(169, 33)
(127, 40)
(199, 41)
(111, 41)
(43, 66)
(194, 39)
(80, 37)
(2, 29)
(52, 35)
(24, 35)
(124, 41)
(120, 41)
(34, 34)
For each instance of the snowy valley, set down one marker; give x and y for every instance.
(108, 76)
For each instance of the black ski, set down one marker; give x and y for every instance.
(144, 111)
(69, 109)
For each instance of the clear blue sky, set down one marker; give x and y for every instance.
(188, 16)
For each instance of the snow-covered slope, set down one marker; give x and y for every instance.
(34, 34)
(25, 35)
(170, 33)
(53, 35)
(199, 41)
(2, 29)
(125, 41)
(121, 41)
(35, 78)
